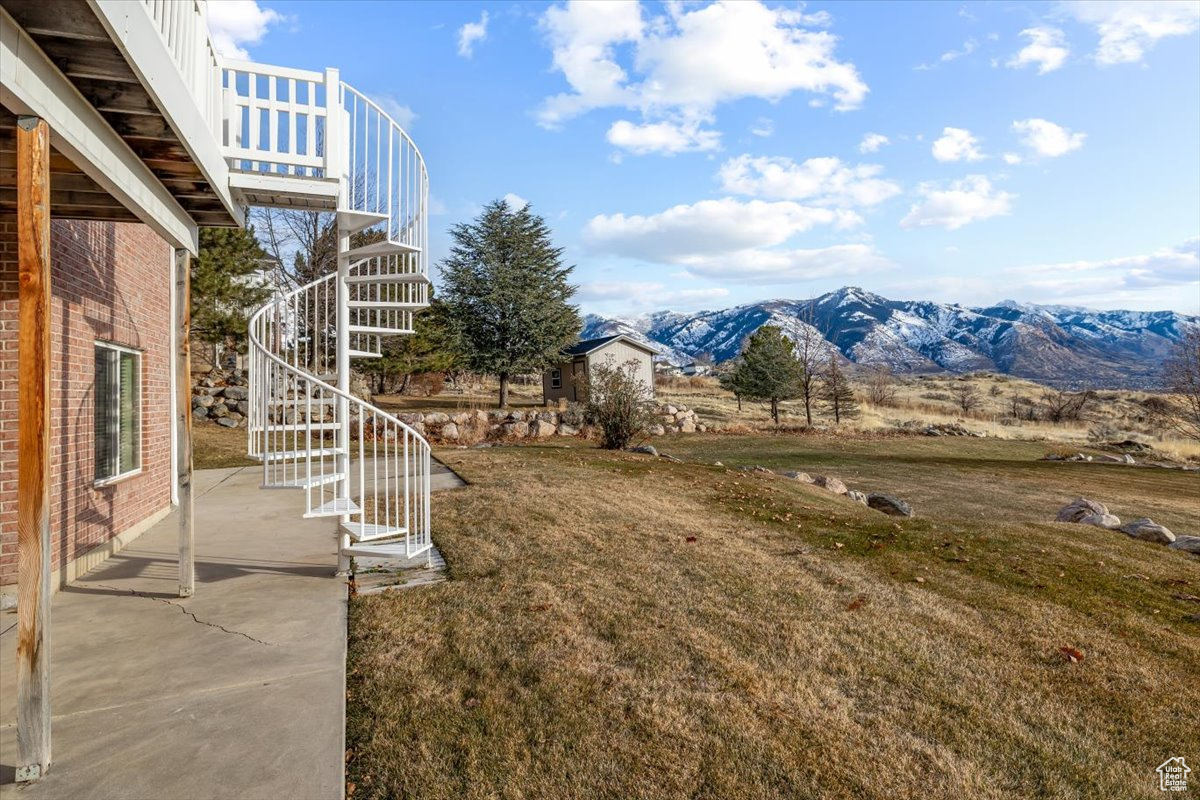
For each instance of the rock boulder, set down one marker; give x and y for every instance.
(831, 484)
(1079, 508)
(1148, 530)
(893, 506)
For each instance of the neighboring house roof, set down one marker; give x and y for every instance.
(588, 345)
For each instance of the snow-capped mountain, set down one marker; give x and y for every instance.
(1053, 344)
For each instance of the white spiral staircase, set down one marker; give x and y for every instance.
(353, 461)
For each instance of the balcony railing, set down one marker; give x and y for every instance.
(280, 122)
(183, 25)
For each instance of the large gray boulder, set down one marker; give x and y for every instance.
(893, 506)
(1148, 530)
(567, 430)
(541, 429)
(803, 477)
(653, 430)
(517, 430)
(1188, 544)
(1079, 508)
(830, 483)
(1106, 521)
(449, 432)
(648, 449)
(202, 401)
(687, 426)
(437, 418)
(235, 393)
(858, 497)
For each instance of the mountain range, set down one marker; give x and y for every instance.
(1058, 345)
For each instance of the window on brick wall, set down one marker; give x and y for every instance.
(118, 422)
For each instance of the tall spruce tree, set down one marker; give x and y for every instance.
(226, 285)
(770, 370)
(507, 294)
(836, 392)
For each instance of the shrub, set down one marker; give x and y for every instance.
(617, 403)
(1105, 432)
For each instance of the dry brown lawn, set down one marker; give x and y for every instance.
(616, 626)
(214, 446)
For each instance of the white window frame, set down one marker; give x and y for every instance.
(556, 378)
(116, 450)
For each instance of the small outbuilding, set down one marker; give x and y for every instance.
(567, 378)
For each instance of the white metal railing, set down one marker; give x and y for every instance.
(385, 173)
(183, 25)
(367, 467)
(277, 120)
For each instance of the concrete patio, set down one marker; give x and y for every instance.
(237, 692)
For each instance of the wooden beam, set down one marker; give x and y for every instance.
(30, 84)
(183, 421)
(33, 449)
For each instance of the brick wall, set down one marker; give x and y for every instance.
(110, 282)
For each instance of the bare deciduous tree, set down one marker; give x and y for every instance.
(1181, 373)
(881, 386)
(1062, 406)
(967, 397)
(810, 348)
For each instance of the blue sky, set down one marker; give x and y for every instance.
(702, 155)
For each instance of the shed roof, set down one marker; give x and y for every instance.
(588, 345)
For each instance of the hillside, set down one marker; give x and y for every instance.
(1058, 345)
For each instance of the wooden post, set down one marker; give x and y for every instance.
(183, 420)
(33, 449)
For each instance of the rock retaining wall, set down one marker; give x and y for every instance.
(479, 425)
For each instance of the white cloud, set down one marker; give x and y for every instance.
(872, 142)
(1127, 29)
(1012, 158)
(957, 144)
(1047, 49)
(732, 240)
(514, 201)
(788, 266)
(684, 233)
(1154, 280)
(823, 181)
(763, 126)
(1047, 139)
(471, 33)
(962, 202)
(402, 114)
(666, 138)
(646, 294)
(236, 24)
(682, 65)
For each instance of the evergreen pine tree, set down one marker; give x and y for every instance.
(836, 392)
(507, 294)
(769, 370)
(226, 285)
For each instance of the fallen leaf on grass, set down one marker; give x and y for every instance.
(541, 607)
(690, 539)
(838, 545)
(1071, 654)
(919, 579)
(856, 603)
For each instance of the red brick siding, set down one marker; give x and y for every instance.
(110, 282)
